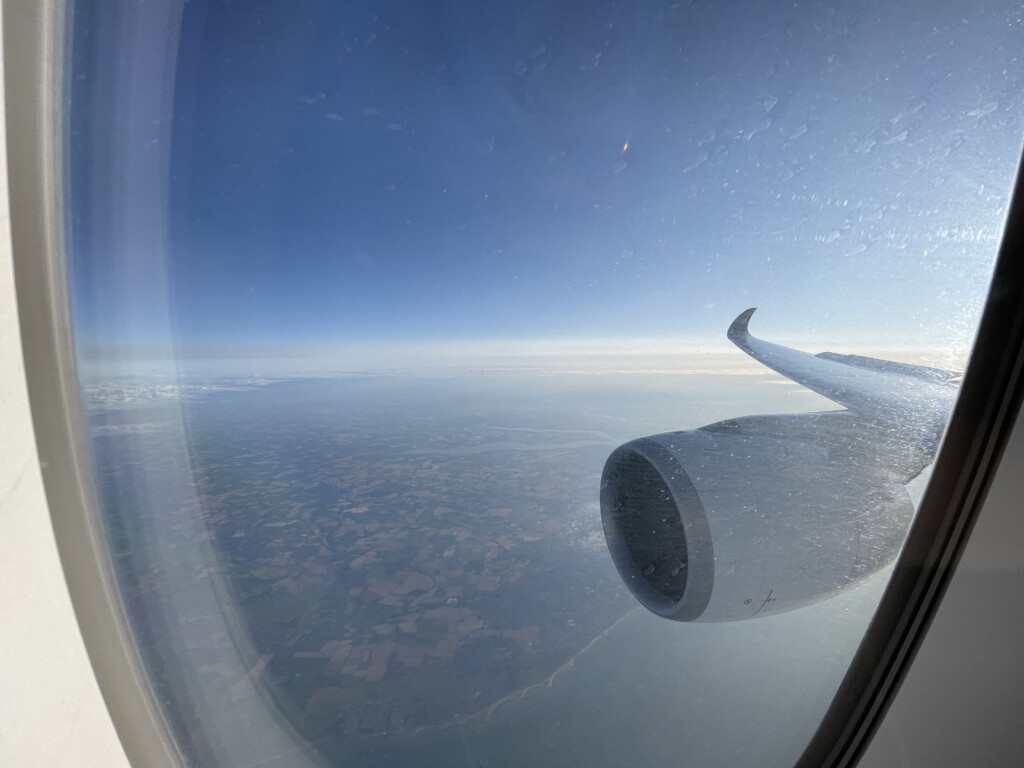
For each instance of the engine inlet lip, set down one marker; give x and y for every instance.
(658, 462)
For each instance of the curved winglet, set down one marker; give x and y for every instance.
(882, 389)
(738, 333)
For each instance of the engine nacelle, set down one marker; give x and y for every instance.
(757, 515)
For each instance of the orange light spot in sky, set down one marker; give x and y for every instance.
(625, 146)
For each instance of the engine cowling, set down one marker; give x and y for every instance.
(757, 515)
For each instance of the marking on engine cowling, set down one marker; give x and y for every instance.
(768, 599)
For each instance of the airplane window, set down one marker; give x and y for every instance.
(429, 418)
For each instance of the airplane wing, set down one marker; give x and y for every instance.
(895, 393)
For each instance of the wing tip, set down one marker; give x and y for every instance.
(738, 332)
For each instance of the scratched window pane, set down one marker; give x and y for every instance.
(428, 420)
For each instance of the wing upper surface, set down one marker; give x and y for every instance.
(898, 394)
(906, 369)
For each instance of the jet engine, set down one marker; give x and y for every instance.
(762, 514)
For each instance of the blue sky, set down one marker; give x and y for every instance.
(269, 176)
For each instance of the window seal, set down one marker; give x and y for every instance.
(34, 50)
